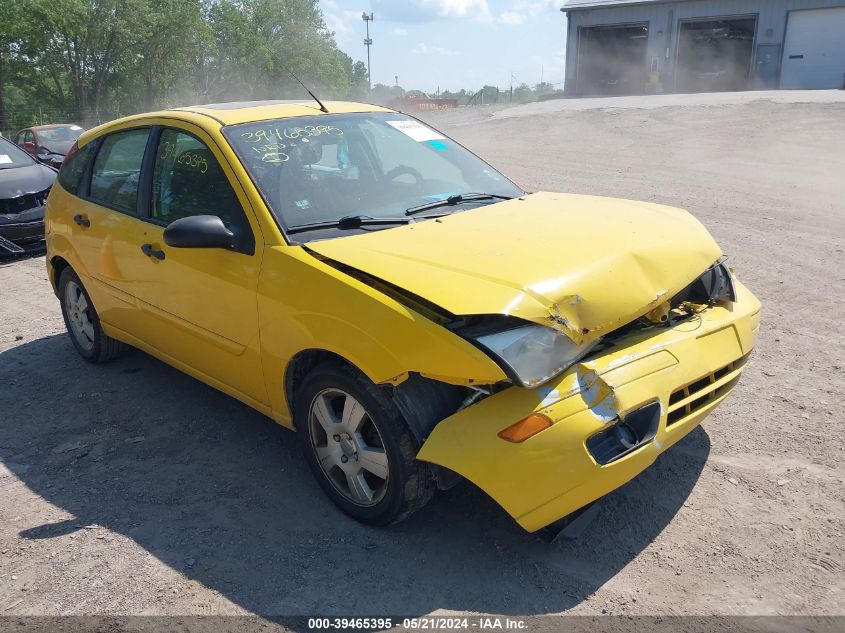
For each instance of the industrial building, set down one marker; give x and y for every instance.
(617, 47)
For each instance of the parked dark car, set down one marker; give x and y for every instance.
(24, 185)
(49, 143)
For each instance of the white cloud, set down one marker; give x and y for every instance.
(511, 17)
(475, 9)
(337, 24)
(533, 7)
(400, 31)
(343, 23)
(427, 10)
(522, 10)
(425, 49)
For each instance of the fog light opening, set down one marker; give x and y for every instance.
(625, 435)
(632, 432)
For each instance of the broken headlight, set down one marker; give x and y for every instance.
(532, 354)
(713, 286)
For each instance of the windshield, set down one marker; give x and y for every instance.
(320, 169)
(13, 156)
(64, 134)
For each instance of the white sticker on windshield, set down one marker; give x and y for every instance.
(5, 159)
(75, 127)
(416, 130)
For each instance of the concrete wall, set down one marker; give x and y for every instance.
(664, 19)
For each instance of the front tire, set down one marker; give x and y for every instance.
(83, 323)
(359, 447)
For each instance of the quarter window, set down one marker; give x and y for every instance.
(188, 180)
(70, 175)
(117, 170)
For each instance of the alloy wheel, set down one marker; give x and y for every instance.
(79, 316)
(348, 447)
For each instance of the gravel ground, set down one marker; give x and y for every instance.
(132, 489)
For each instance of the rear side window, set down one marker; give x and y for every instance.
(188, 180)
(73, 169)
(117, 170)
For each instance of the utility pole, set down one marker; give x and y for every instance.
(368, 42)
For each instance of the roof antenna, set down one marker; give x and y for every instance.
(313, 96)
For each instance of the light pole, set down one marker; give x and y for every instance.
(368, 42)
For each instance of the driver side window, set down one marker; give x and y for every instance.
(188, 180)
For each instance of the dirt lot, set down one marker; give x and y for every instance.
(132, 489)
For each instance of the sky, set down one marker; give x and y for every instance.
(454, 44)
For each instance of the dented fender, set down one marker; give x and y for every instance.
(306, 304)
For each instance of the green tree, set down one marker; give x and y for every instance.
(90, 59)
(9, 28)
(171, 36)
(383, 93)
(80, 44)
(258, 43)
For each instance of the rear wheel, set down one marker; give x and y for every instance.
(358, 446)
(83, 323)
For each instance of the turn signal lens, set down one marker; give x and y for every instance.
(525, 428)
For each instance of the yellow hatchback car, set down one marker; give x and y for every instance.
(416, 317)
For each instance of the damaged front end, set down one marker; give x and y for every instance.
(531, 354)
(22, 223)
(550, 451)
(612, 341)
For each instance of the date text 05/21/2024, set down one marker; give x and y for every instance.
(419, 623)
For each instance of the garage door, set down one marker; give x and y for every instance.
(814, 52)
(611, 59)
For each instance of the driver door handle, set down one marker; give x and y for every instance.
(149, 251)
(82, 220)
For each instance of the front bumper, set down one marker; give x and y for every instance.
(21, 237)
(688, 369)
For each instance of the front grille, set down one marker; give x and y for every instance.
(27, 201)
(22, 232)
(690, 398)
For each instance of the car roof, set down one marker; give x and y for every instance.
(248, 111)
(222, 114)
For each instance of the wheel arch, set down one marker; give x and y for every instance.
(421, 401)
(301, 365)
(57, 266)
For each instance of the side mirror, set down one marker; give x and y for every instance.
(199, 231)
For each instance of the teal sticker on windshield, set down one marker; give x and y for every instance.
(437, 197)
(438, 145)
(343, 154)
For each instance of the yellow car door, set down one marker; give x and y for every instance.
(200, 304)
(105, 227)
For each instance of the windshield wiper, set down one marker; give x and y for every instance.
(347, 222)
(453, 200)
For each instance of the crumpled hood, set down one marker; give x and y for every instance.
(584, 264)
(18, 181)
